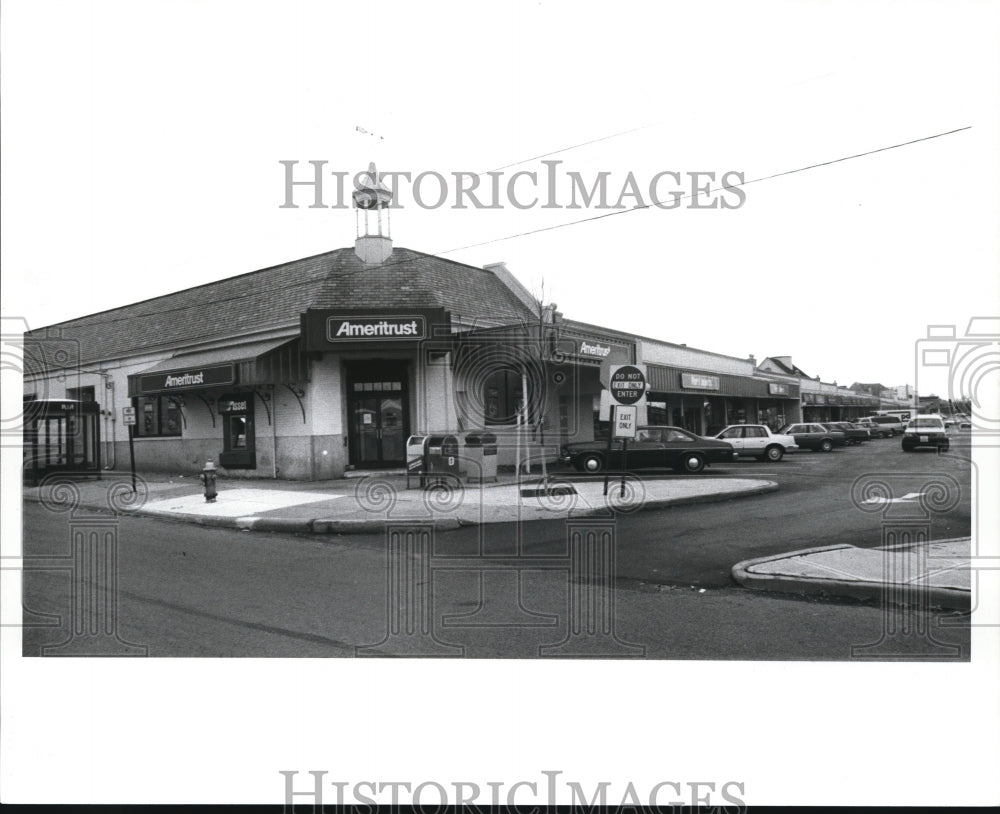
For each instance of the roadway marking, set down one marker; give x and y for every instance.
(907, 498)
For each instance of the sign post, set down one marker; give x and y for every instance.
(128, 417)
(627, 385)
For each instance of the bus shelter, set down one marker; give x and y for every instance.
(61, 435)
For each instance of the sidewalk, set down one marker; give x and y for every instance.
(933, 574)
(364, 503)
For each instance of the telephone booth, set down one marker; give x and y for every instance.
(61, 435)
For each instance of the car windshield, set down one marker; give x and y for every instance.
(926, 423)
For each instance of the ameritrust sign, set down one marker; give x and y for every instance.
(349, 329)
(326, 328)
(185, 379)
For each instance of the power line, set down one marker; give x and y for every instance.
(639, 207)
(574, 147)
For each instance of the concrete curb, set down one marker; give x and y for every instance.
(934, 596)
(717, 497)
(376, 524)
(354, 526)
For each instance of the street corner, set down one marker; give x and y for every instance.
(926, 574)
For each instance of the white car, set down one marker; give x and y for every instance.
(925, 431)
(757, 441)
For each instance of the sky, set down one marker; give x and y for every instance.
(143, 145)
(143, 141)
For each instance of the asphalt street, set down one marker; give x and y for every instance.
(186, 590)
(820, 502)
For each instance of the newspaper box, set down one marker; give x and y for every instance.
(481, 452)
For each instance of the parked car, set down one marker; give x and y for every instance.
(874, 430)
(889, 423)
(757, 441)
(853, 433)
(926, 431)
(815, 436)
(652, 448)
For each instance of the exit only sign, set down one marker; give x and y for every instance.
(625, 421)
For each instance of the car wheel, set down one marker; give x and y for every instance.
(826, 445)
(692, 463)
(774, 453)
(592, 463)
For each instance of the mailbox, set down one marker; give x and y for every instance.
(416, 451)
(442, 455)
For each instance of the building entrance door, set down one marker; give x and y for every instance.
(377, 416)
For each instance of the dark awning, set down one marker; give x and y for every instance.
(273, 361)
(663, 379)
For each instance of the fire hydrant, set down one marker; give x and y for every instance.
(208, 475)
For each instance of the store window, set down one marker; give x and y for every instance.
(157, 416)
(502, 396)
(81, 393)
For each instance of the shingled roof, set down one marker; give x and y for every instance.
(274, 297)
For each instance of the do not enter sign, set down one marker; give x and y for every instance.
(628, 384)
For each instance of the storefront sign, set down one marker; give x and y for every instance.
(594, 349)
(328, 328)
(698, 381)
(187, 379)
(777, 389)
(233, 404)
(352, 329)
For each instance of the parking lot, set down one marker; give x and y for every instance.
(853, 495)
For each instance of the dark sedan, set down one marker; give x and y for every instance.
(815, 436)
(853, 433)
(652, 448)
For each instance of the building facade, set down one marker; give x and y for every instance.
(704, 391)
(320, 366)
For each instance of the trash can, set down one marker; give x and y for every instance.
(481, 450)
(442, 455)
(416, 458)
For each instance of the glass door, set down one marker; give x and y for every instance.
(378, 431)
(378, 425)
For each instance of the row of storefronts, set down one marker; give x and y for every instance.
(321, 366)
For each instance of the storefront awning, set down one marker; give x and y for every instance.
(273, 361)
(663, 379)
